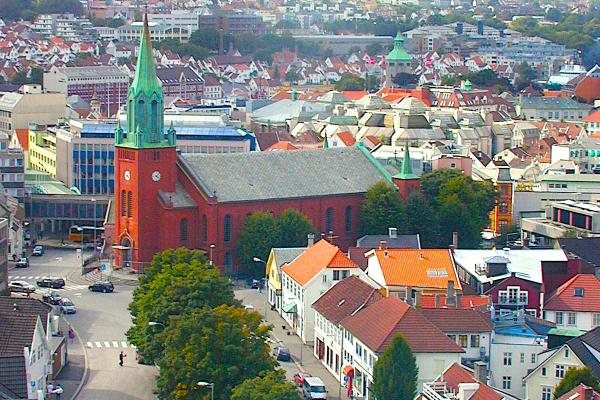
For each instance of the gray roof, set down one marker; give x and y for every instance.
(13, 377)
(94, 71)
(551, 103)
(586, 347)
(399, 242)
(285, 255)
(254, 176)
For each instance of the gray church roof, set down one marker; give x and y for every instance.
(273, 175)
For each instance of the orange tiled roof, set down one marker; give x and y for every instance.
(22, 135)
(282, 145)
(425, 268)
(314, 259)
(347, 138)
(354, 94)
(593, 117)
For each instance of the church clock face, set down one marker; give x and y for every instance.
(127, 175)
(156, 176)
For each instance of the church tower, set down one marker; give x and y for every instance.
(145, 165)
(398, 60)
(405, 180)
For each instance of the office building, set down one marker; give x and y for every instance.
(233, 23)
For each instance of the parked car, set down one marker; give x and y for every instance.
(314, 388)
(51, 298)
(38, 251)
(282, 354)
(54, 283)
(22, 263)
(102, 286)
(300, 377)
(21, 286)
(67, 306)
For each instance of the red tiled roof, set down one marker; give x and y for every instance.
(455, 320)
(347, 138)
(354, 94)
(564, 299)
(314, 259)
(282, 145)
(377, 324)
(345, 297)
(357, 254)
(581, 392)
(588, 89)
(457, 374)
(593, 117)
(424, 268)
(22, 135)
(471, 301)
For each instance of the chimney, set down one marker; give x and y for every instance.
(480, 371)
(588, 393)
(409, 296)
(393, 233)
(451, 247)
(458, 300)
(455, 239)
(310, 239)
(417, 298)
(450, 296)
(480, 28)
(383, 245)
(467, 390)
(438, 300)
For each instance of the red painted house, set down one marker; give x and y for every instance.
(514, 293)
(165, 200)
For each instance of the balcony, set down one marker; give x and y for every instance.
(512, 302)
(437, 391)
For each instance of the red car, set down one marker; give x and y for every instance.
(299, 378)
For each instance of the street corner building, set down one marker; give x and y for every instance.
(165, 199)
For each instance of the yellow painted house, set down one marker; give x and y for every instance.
(42, 149)
(277, 258)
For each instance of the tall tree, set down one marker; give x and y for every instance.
(174, 289)
(421, 218)
(267, 386)
(395, 373)
(258, 235)
(225, 346)
(573, 378)
(293, 228)
(381, 209)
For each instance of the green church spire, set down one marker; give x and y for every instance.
(325, 142)
(406, 170)
(145, 119)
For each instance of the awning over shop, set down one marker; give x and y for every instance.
(291, 308)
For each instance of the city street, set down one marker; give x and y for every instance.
(302, 355)
(101, 322)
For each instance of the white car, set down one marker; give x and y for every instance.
(21, 286)
(67, 306)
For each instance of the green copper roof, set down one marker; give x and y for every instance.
(406, 170)
(145, 79)
(325, 142)
(398, 53)
(384, 172)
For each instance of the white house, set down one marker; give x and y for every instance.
(575, 304)
(579, 352)
(514, 351)
(306, 278)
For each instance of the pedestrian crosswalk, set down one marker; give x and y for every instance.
(109, 344)
(33, 279)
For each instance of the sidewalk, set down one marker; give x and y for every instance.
(302, 354)
(72, 374)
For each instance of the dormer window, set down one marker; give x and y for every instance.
(579, 292)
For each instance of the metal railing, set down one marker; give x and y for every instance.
(437, 391)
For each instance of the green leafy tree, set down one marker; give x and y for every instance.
(381, 209)
(292, 76)
(110, 22)
(267, 386)
(575, 376)
(395, 373)
(293, 228)
(225, 345)
(178, 282)
(59, 6)
(421, 218)
(258, 235)
(350, 82)
(374, 49)
(404, 79)
(526, 76)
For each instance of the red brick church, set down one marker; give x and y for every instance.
(165, 199)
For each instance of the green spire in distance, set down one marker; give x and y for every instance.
(325, 143)
(398, 53)
(145, 79)
(406, 172)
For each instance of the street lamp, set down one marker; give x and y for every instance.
(212, 246)
(212, 388)
(95, 245)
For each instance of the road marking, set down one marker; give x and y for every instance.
(124, 345)
(115, 344)
(89, 344)
(106, 344)
(98, 344)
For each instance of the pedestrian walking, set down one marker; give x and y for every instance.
(58, 390)
(122, 358)
(49, 389)
(71, 334)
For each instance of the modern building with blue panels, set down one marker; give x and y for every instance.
(85, 150)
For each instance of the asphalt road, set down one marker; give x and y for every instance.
(101, 322)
